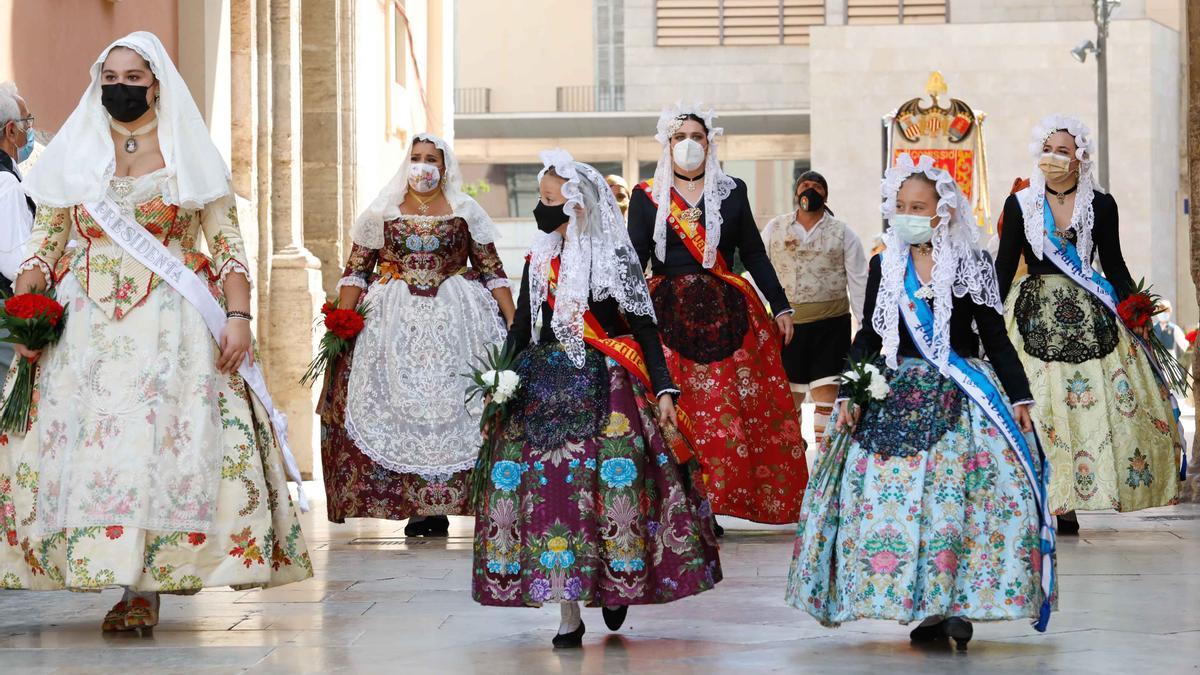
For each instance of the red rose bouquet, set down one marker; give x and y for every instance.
(1137, 311)
(35, 320)
(341, 327)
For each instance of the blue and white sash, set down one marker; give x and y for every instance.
(1066, 258)
(149, 251)
(918, 318)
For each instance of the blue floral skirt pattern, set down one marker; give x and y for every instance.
(951, 530)
(608, 519)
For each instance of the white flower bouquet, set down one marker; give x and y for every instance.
(861, 384)
(496, 382)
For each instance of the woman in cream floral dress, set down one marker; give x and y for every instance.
(148, 464)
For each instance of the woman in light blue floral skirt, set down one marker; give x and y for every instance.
(935, 510)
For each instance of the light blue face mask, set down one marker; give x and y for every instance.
(912, 229)
(26, 150)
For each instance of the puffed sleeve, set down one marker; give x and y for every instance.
(51, 230)
(359, 266)
(646, 334)
(1107, 237)
(1012, 241)
(486, 261)
(754, 254)
(522, 329)
(641, 225)
(1001, 353)
(219, 222)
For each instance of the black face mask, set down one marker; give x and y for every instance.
(810, 200)
(125, 102)
(549, 218)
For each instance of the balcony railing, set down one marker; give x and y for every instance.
(591, 99)
(473, 100)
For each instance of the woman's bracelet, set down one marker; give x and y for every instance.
(234, 314)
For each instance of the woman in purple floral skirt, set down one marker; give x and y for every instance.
(584, 502)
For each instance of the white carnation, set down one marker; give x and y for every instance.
(878, 388)
(488, 377)
(506, 385)
(850, 376)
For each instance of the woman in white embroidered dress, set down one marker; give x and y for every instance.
(147, 464)
(398, 441)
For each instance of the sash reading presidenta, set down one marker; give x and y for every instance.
(918, 318)
(149, 251)
(627, 352)
(693, 239)
(1066, 258)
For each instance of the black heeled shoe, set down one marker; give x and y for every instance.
(417, 529)
(925, 634)
(439, 526)
(717, 529)
(572, 640)
(960, 630)
(615, 618)
(1068, 523)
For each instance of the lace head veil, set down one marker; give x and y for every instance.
(1033, 204)
(597, 258)
(79, 162)
(717, 185)
(368, 228)
(959, 267)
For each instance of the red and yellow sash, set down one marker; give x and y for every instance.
(628, 353)
(684, 220)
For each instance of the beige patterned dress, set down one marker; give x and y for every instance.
(143, 465)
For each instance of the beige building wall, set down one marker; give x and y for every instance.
(1016, 73)
(524, 50)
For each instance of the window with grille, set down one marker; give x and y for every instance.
(895, 11)
(691, 23)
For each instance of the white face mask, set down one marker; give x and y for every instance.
(423, 177)
(688, 154)
(911, 228)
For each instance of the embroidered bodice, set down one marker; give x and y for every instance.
(424, 251)
(811, 269)
(112, 278)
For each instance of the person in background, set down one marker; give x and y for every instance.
(1168, 332)
(16, 209)
(620, 190)
(821, 265)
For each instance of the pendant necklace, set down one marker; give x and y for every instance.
(1061, 196)
(423, 204)
(131, 144)
(691, 182)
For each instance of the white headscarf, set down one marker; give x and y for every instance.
(597, 257)
(368, 229)
(717, 185)
(959, 267)
(1033, 200)
(79, 162)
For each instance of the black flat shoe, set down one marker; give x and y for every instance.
(572, 640)
(1068, 523)
(417, 529)
(439, 526)
(614, 618)
(930, 633)
(960, 629)
(717, 529)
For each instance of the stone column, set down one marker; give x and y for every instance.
(295, 294)
(323, 150)
(243, 130)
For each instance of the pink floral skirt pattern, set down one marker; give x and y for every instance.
(951, 530)
(608, 519)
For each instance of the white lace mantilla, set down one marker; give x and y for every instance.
(405, 405)
(1033, 199)
(959, 267)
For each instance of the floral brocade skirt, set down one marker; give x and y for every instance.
(144, 466)
(950, 530)
(583, 502)
(747, 432)
(1106, 424)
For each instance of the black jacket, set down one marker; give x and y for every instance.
(963, 340)
(1106, 240)
(615, 323)
(738, 233)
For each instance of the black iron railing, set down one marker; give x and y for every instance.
(588, 98)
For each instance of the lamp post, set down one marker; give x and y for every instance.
(1102, 11)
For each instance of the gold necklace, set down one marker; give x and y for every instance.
(423, 204)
